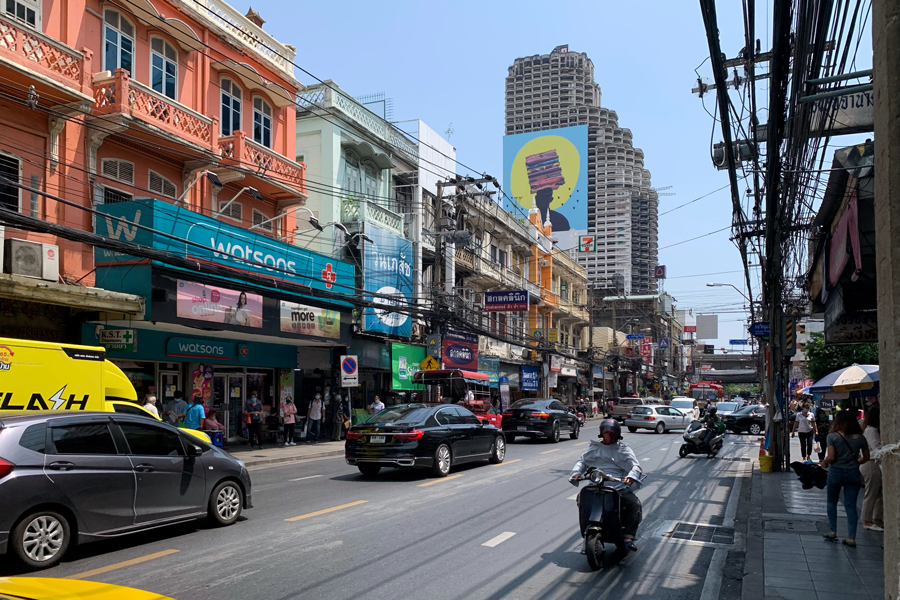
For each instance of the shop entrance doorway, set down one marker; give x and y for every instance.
(228, 391)
(169, 383)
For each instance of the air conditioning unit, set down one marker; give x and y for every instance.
(418, 330)
(31, 259)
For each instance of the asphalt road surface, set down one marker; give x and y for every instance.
(319, 529)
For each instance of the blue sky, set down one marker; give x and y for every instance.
(446, 62)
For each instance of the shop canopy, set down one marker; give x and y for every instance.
(854, 378)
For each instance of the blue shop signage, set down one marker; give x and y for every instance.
(387, 271)
(205, 239)
(531, 379)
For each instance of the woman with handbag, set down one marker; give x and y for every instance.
(873, 511)
(847, 450)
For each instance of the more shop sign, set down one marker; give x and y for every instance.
(119, 340)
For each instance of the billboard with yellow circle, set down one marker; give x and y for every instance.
(549, 167)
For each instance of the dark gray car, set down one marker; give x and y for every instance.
(77, 477)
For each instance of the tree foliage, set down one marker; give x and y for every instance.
(822, 359)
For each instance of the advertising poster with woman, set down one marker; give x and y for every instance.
(218, 305)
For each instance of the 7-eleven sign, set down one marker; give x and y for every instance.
(587, 243)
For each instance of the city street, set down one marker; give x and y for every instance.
(319, 529)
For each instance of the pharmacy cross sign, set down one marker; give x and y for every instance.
(328, 276)
(127, 336)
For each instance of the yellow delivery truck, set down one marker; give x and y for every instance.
(65, 377)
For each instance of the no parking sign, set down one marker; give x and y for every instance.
(349, 372)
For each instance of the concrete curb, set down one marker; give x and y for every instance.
(288, 459)
(753, 580)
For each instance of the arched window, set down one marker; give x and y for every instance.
(373, 180)
(231, 107)
(163, 67)
(352, 181)
(118, 36)
(262, 122)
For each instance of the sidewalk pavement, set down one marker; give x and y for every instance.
(787, 557)
(277, 453)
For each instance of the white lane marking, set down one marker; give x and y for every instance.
(646, 458)
(496, 541)
(573, 496)
(302, 478)
(713, 582)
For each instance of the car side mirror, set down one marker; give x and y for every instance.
(194, 450)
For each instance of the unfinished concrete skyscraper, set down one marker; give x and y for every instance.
(558, 90)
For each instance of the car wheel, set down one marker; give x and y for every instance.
(754, 429)
(632, 429)
(41, 539)
(554, 433)
(660, 428)
(369, 470)
(442, 461)
(498, 451)
(225, 503)
(575, 431)
(682, 452)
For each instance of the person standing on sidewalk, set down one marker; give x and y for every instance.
(314, 418)
(288, 410)
(194, 413)
(337, 420)
(873, 510)
(805, 422)
(376, 407)
(254, 428)
(847, 449)
(175, 408)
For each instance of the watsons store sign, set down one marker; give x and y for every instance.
(199, 349)
(150, 222)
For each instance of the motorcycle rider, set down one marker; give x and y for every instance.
(612, 456)
(712, 421)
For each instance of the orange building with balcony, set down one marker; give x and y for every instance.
(102, 102)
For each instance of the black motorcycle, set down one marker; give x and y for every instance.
(598, 515)
(694, 441)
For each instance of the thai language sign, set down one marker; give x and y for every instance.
(516, 300)
(387, 269)
(460, 350)
(531, 379)
(215, 304)
(310, 320)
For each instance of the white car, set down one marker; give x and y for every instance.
(657, 417)
(687, 405)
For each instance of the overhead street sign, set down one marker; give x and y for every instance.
(738, 342)
(760, 329)
(634, 336)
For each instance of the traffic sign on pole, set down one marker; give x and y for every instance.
(738, 342)
(634, 336)
(663, 343)
(349, 372)
(760, 329)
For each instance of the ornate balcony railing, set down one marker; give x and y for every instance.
(223, 16)
(354, 208)
(249, 154)
(35, 51)
(118, 93)
(465, 258)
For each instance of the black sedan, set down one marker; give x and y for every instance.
(535, 418)
(751, 419)
(434, 436)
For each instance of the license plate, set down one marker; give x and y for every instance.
(522, 428)
(376, 439)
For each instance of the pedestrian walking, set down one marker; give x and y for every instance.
(873, 508)
(288, 412)
(175, 408)
(376, 406)
(194, 413)
(805, 425)
(847, 450)
(345, 416)
(314, 415)
(822, 426)
(337, 419)
(254, 429)
(150, 404)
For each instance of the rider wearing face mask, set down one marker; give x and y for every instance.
(613, 457)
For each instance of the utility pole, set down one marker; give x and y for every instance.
(886, 62)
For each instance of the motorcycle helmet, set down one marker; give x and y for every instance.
(712, 410)
(613, 426)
